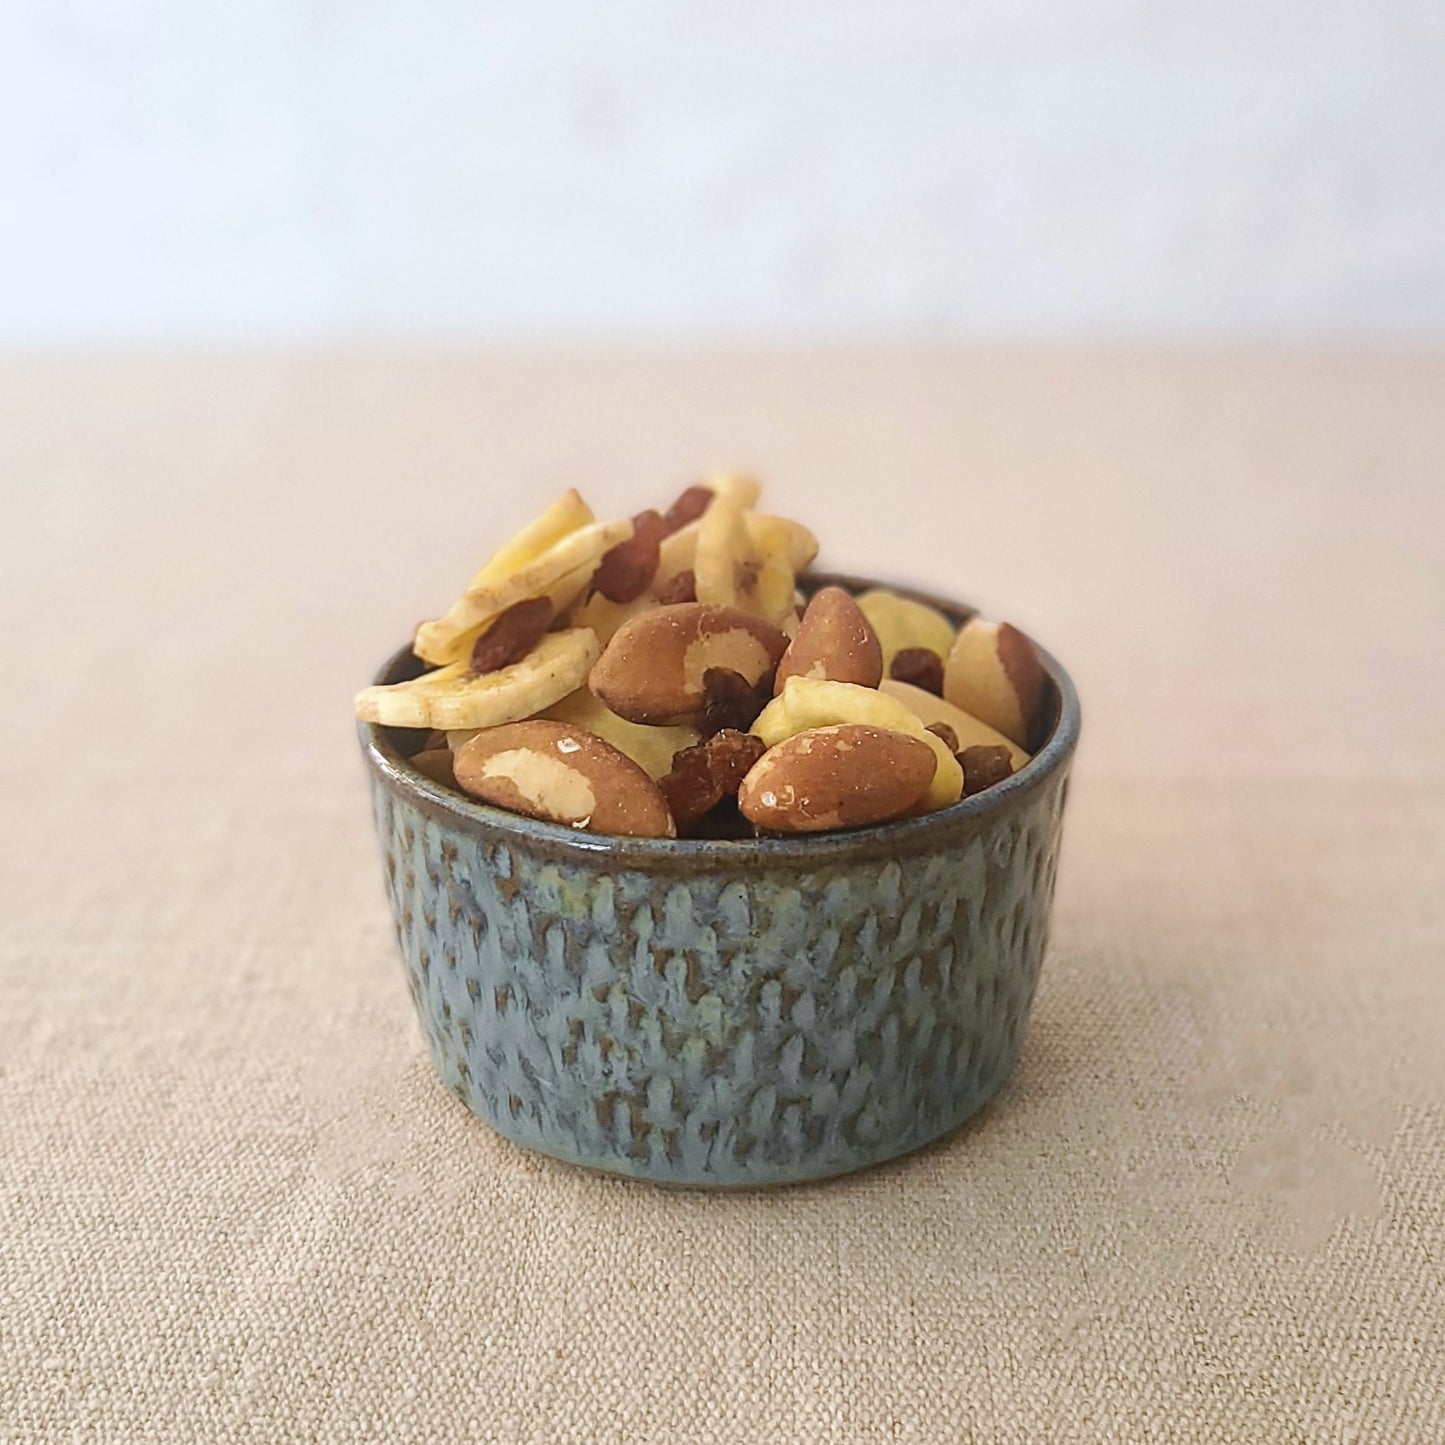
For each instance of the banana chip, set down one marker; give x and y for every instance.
(452, 697)
(560, 572)
(900, 622)
(652, 748)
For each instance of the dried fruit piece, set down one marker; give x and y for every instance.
(689, 786)
(558, 573)
(901, 622)
(834, 641)
(731, 754)
(968, 730)
(919, 667)
(843, 776)
(565, 775)
(702, 776)
(512, 635)
(722, 545)
(983, 766)
(729, 700)
(653, 669)
(687, 508)
(734, 487)
(994, 673)
(453, 697)
(626, 571)
(680, 588)
(945, 735)
(652, 748)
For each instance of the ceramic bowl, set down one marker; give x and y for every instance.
(723, 1013)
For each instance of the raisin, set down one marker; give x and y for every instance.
(687, 508)
(731, 755)
(680, 588)
(709, 773)
(921, 666)
(983, 766)
(943, 731)
(729, 701)
(627, 570)
(690, 788)
(512, 635)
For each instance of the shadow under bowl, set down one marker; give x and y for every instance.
(724, 1013)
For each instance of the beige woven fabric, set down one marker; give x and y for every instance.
(1211, 1205)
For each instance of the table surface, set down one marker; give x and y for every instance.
(234, 1205)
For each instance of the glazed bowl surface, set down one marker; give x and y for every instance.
(723, 1013)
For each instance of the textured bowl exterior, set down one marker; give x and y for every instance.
(723, 1013)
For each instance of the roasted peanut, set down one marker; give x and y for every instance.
(843, 776)
(565, 775)
(835, 642)
(654, 668)
(993, 672)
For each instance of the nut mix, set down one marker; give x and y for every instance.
(663, 676)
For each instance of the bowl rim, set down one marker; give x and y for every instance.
(907, 835)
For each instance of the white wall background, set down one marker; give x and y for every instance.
(204, 170)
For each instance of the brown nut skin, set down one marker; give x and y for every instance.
(655, 667)
(993, 672)
(562, 774)
(436, 763)
(834, 642)
(844, 776)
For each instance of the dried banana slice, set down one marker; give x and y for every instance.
(452, 698)
(750, 561)
(807, 702)
(652, 748)
(900, 622)
(740, 490)
(560, 572)
(568, 514)
(970, 731)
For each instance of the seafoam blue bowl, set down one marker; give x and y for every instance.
(724, 1013)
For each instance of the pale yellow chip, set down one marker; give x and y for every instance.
(900, 622)
(781, 535)
(651, 748)
(739, 490)
(969, 730)
(676, 555)
(808, 702)
(568, 514)
(452, 698)
(571, 559)
(749, 561)
(722, 546)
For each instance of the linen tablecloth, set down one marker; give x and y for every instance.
(234, 1204)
